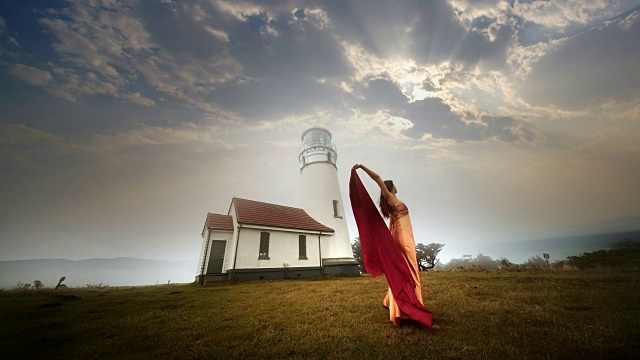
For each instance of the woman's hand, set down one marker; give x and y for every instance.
(356, 167)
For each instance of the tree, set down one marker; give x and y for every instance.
(427, 255)
(357, 254)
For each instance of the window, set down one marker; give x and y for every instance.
(302, 245)
(335, 209)
(264, 246)
(329, 157)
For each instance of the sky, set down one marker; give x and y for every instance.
(122, 123)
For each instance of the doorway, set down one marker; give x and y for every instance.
(216, 257)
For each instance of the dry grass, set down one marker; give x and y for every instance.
(577, 314)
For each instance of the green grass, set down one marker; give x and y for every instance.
(483, 315)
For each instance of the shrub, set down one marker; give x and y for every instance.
(22, 286)
(477, 263)
(536, 262)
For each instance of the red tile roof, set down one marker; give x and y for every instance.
(260, 213)
(218, 221)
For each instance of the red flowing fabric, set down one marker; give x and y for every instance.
(382, 255)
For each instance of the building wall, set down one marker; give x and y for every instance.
(319, 187)
(205, 238)
(274, 273)
(283, 249)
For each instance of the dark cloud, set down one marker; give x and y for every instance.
(381, 94)
(299, 49)
(425, 30)
(428, 31)
(96, 115)
(434, 117)
(477, 47)
(287, 73)
(437, 36)
(587, 70)
(378, 26)
(501, 127)
(430, 115)
(273, 98)
(178, 30)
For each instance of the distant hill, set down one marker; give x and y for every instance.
(558, 248)
(113, 272)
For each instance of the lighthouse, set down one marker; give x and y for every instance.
(321, 198)
(257, 240)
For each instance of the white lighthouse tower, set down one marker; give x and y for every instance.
(321, 199)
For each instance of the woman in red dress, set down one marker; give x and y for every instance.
(402, 232)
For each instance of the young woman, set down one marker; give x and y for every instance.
(402, 233)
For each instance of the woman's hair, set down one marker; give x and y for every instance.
(384, 205)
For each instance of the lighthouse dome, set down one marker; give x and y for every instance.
(317, 147)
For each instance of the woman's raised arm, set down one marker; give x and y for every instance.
(389, 196)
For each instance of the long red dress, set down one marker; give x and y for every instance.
(402, 233)
(390, 251)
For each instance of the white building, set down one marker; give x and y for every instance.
(257, 240)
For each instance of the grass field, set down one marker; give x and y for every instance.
(483, 315)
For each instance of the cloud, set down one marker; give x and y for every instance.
(137, 98)
(239, 9)
(16, 134)
(33, 151)
(292, 73)
(443, 117)
(154, 135)
(122, 52)
(31, 75)
(589, 69)
(69, 85)
(380, 93)
(415, 81)
(113, 160)
(628, 22)
(460, 62)
(549, 19)
(379, 125)
(429, 33)
(558, 15)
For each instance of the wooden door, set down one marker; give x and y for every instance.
(216, 257)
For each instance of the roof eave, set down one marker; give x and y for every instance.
(327, 230)
(221, 229)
